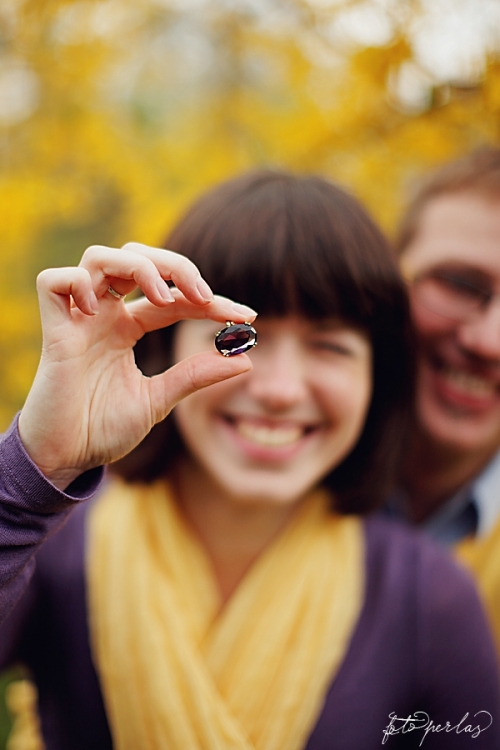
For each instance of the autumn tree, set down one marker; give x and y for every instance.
(114, 114)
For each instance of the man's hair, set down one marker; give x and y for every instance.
(298, 245)
(478, 172)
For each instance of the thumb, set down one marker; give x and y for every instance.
(189, 375)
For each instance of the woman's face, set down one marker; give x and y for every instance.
(272, 434)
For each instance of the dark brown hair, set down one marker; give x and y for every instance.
(292, 244)
(478, 172)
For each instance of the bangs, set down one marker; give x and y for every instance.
(286, 245)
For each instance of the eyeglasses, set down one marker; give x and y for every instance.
(450, 295)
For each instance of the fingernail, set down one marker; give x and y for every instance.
(243, 310)
(94, 304)
(165, 292)
(204, 289)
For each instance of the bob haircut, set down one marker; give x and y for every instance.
(287, 244)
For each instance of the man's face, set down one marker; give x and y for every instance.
(457, 246)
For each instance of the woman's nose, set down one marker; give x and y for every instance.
(481, 336)
(278, 379)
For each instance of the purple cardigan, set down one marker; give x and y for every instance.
(421, 643)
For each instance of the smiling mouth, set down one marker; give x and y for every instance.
(467, 383)
(267, 434)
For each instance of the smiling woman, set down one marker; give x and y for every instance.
(302, 250)
(226, 593)
(271, 435)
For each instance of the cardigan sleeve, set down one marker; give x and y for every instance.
(31, 509)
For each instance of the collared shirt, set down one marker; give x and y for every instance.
(474, 509)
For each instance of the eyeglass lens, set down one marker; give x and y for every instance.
(450, 296)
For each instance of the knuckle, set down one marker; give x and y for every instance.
(82, 276)
(43, 278)
(191, 376)
(185, 266)
(50, 277)
(143, 268)
(91, 254)
(136, 253)
(132, 247)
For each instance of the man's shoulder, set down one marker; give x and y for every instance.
(485, 491)
(406, 558)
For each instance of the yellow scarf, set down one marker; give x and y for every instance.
(176, 672)
(482, 556)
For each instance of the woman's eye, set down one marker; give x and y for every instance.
(330, 346)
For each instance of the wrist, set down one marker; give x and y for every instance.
(60, 477)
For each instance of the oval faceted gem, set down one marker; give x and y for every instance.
(235, 339)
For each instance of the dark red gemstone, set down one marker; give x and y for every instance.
(235, 339)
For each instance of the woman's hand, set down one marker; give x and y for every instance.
(89, 403)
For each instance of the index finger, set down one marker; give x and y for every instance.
(179, 269)
(221, 309)
(135, 265)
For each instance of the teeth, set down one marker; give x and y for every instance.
(269, 436)
(472, 384)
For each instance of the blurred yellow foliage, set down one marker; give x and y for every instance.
(21, 698)
(122, 112)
